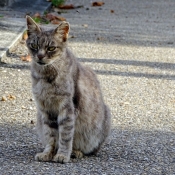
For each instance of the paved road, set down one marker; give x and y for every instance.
(132, 51)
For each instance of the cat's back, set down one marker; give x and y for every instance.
(88, 80)
(88, 94)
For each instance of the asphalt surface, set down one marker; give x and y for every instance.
(130, 45)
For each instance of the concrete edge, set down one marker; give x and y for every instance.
(14, 42)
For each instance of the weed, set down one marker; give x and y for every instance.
(40, 20)
(57, 3)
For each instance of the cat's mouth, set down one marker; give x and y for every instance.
(41, 63)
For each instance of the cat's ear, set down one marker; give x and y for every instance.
(32, 27)
(63, 30)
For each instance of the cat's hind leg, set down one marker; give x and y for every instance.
(77, 154)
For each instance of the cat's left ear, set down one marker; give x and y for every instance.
(63, 30)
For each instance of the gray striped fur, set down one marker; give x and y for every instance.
(71, 114)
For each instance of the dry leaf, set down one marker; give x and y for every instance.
(11, 97)
(3, 98)
(55, 21)
(60, 18)
(26, 58)
(37, 15)
(68, 6)
(24, 36)
(112, 11)
(50, 16)
(98, 3)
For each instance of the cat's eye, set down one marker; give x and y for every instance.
(34, 46)
(52, 48)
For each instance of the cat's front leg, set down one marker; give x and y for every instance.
(46, 134)
(47, 154)
(66, 132)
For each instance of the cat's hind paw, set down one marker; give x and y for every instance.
(61, 158)
(43, 157)
(77, 154)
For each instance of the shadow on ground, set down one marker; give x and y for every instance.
(135, 151)
(154, 65)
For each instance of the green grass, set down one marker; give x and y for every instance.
(46, 12)
(56, 3)
(40, 20)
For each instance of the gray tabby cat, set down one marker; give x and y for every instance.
(71, 114)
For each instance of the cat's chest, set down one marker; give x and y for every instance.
(41, 87)
(46, 94)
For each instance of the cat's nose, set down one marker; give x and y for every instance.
(40, 56)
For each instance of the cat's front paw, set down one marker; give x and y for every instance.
(43, 157)
(61, 158)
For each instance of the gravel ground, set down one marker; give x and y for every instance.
(132, 51)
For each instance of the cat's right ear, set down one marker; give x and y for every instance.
(32, 27)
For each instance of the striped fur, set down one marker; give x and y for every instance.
(71, 114)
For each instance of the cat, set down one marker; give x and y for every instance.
(72, 118)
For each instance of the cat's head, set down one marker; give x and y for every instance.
(46, 46)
